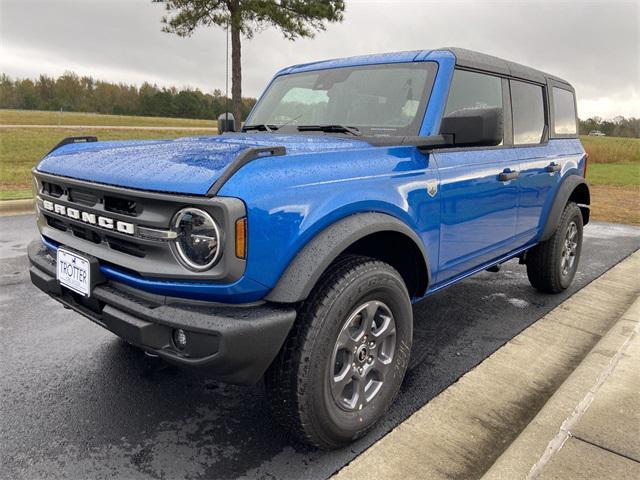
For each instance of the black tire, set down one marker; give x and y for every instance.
(301, 383)
(549, 265)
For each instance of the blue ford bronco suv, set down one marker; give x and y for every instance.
(293, 249)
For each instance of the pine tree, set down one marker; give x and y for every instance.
(294, 18)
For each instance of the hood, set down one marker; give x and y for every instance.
(184, 165)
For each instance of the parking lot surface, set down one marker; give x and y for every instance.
(76, 402)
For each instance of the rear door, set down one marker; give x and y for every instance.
(478, 210)
(539, 166)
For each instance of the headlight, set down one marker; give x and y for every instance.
(198, 242)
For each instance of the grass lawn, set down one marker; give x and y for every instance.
(611, 149)
(621, 174)
(22, 148)
(614, 163)
(614, 177)
(37, 117)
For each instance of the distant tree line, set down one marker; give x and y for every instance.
(618, 127)
(71, 92)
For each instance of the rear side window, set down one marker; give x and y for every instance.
(473, 90)
(527, 102)
(564, 112)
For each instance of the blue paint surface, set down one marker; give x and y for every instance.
(471, 222)
(187, 165)
(375, 59)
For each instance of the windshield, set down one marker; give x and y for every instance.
(385, 99)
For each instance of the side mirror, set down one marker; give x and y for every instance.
(474, 126)
(226, 123)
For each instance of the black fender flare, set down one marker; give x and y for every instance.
(312, 260)
(565, 190)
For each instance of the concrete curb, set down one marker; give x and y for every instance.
(466, 428)
(16, 207)
(537, 451)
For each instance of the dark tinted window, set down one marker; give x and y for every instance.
(564, 112)
(527, 101)
(473, 90)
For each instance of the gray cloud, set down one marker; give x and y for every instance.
(594, 45)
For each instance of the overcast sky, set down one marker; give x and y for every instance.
(593, 44)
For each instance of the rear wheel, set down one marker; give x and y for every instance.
(345, 359)
(552, 265)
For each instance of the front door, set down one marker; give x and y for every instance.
(478, 210)
(479, 186)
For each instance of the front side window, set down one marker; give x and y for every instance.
(385, 99)
(471, 90)
(527, 102)
(564, 112)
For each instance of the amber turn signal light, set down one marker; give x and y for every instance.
(241, 238)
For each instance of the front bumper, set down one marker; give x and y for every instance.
(234, 343)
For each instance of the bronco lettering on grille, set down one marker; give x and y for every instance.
(90, 218)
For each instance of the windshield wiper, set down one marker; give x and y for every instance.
(263, 127)
(330, 128)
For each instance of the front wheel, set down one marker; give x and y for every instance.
(343, 363)
(551, 265)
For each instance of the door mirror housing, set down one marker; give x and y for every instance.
(474, 126)
(226, 123)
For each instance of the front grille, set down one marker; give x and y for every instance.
(57, 224)
(116, 226)
(125, 246)
(83, 197)
(52, 189)
(97, 236)
(85, 234)
(120, 205)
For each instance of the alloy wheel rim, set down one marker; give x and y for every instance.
(363, 355)
(569, 249)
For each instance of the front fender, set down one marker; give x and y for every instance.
(307, 266)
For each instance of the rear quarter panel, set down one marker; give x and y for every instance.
(570, 154)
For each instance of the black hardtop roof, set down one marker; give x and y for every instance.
(489, 63)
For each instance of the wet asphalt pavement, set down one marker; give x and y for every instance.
(76, 402)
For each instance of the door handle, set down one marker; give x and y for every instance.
(553, 167)
(507, 175)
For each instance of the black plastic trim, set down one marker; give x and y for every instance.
(420, 142)
(241, 160)
(70, 140)
(565, 190)
(305, 269)
(235, 344)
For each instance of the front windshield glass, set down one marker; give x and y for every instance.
(376, 99)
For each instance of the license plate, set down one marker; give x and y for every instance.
(74, 272)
